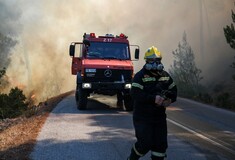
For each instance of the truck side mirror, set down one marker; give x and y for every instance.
(71, 50)
(137, 52)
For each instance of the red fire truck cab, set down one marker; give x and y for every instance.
(103, 65)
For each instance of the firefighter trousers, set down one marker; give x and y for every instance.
(150, 137)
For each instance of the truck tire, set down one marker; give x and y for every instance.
(81, 98)
(120, 100)
(128, 103)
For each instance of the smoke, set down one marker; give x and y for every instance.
(7, 32)
(44, 29)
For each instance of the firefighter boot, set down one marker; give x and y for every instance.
(157, 157)
(133, 155)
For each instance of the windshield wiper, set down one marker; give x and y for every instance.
(110, 58)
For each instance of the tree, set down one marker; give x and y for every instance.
(2, 73)
(229, 33)
(12, 105)
(184, 71)
(6, 44)
(4, 81)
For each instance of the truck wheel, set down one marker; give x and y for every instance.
(81, 98)
(119, 100)
(128, 102)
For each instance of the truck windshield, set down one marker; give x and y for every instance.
(101, 50)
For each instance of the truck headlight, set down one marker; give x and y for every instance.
(128, 86)
(86, 85)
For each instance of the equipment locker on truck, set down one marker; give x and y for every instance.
(103, 65)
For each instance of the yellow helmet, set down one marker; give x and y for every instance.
(152, 52)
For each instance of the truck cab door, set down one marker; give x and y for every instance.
(76, 65)
(75, 51)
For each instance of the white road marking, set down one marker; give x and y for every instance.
(202, 136)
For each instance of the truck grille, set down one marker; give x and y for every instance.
(108, 75)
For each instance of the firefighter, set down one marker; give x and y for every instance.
(152, 91)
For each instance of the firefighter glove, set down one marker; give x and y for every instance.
(166, 102)
(159, 100)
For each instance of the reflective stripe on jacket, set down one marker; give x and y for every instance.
(145, 87)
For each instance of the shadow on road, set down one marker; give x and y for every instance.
(96, 104)
(103, 131)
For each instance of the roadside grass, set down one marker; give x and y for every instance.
(18, 136)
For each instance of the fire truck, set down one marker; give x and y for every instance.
(103, 65)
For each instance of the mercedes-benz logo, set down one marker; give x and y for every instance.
(108, 73)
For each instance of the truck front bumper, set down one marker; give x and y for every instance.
(106, 86)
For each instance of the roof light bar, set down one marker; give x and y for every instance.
(109, 35)
(122, 36)
(92, 35)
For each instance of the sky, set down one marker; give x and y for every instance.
(40, 62)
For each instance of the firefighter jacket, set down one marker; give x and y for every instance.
(145, 86)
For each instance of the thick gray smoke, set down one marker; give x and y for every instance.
(41, 64)
(8, 30)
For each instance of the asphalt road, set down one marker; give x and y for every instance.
(104, 132)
